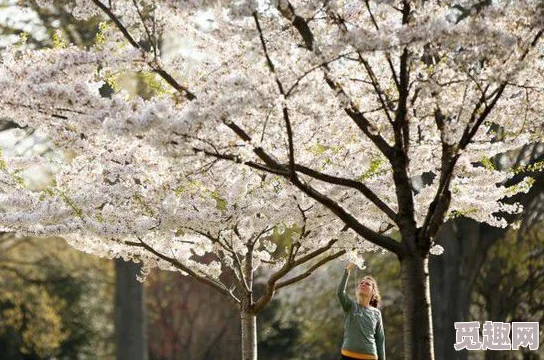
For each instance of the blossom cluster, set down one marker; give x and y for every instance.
(209, 173)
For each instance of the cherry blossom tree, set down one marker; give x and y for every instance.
(335, 121)
(218, 224)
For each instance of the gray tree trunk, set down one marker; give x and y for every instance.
(418, 328)
(130, 314)
(249, 336)
(248, 317)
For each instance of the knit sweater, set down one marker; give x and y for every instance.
(363, 326)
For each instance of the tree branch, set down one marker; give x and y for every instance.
(362, 122)
(202, 278)
(280, 169)
(276, 168)
(309, 272)
(153, 65)
(350, 221)
(440, 204)
(382, 96)
(273, 283)
(362, 188)
(285, 111)
(288, 12)
(309, 71)
(387, 55)
(148, 33)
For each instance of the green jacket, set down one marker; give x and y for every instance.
(363, 326)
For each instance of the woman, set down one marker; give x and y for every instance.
(363, 326)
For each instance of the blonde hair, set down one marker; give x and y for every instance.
(375, 298)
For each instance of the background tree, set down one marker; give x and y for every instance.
(509, 288)
(407, 88)
(189, 320)
(52, 301)
(468, 247)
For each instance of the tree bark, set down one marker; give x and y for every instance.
(249, 336)
(418, 328)
(466, 243)
(130, 315)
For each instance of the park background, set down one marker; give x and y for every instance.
(58, 303)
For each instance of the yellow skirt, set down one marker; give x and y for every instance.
(355, 355)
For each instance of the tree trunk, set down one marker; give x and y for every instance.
(249, 336)
(130, 315)
(418, 328)
(453, 273)
(451, 284)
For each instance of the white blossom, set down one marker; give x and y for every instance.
(202, 167)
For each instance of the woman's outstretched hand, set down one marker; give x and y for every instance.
(350, 266)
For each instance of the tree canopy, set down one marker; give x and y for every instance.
(341, 120)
